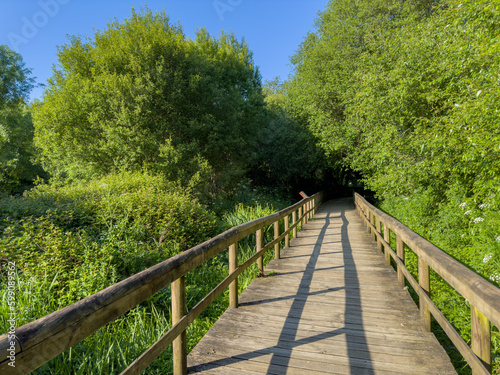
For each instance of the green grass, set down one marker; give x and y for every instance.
(70, 242)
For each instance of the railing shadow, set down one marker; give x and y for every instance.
(354, 308)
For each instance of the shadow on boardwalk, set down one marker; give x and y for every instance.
(308, 315)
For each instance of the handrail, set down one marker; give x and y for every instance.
(484, 297)
(41, 340)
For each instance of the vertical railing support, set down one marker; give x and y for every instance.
(387, 238)
(372, 231)
(300, 217)
(294, 220)
(481, 337)
(368, 219)
(276, 235)
(401, 255)
(233, 264)
(178, 311)
(379, 230)
(424, 281)
(287, 225)
(260, 260)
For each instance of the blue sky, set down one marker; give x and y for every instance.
(273, 29)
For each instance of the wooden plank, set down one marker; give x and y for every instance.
(322, 354)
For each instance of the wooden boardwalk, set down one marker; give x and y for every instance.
(330, 305)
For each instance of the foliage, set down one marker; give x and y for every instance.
(288, 158)
(142, 95)
(71, 241)
(15, 80)
(16, 128)
(119, 224)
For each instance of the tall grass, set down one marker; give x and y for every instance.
(84, 239)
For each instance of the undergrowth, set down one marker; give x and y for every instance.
(69, 242)
(469, 232)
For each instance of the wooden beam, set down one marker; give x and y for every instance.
(178, 312)
(260, 260)
(233, 264)
(424, 281)
(287, 224)
(387, 239)
(276, 235)
(481, 337)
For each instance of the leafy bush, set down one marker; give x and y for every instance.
(86, 236)
(71, 241)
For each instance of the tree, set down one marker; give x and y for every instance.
(288, 157)
(16, 128)
(15, 80)
(142, 95)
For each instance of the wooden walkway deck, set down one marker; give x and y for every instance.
(329, 306)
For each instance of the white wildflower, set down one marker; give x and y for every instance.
(498, 239)
(478, 220)
(487, 258)
(468, 212)
(462, 205)
(484, 205)
(495, 277)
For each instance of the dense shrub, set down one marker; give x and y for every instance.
(85, 236)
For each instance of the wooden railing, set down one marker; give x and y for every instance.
(484, 297)
(43, 339)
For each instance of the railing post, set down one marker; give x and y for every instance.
(379, 230)
(233, 264)
(276, 235)
(260, 260)
(481, 337)
(178, 311)
(387, 238)
(368, 218)
(401, 255)
(299, 218)
(287, 225)
(304, 213)
(372, 221)
(425, 283)
(294, 220)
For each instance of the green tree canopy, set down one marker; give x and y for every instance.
(406, 93)
(142, 95)
(16, 128)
